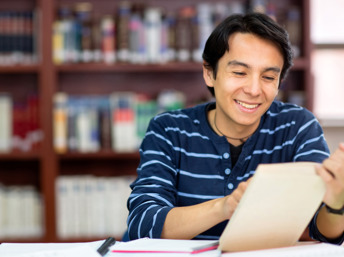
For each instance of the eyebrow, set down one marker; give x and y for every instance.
(237, 63)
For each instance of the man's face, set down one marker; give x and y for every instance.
(247, 81)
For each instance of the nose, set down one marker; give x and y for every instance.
(253, 86)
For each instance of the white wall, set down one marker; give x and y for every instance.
(327, 21)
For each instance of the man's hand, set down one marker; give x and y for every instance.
(231, 201)
(332, 172)
(189, 221)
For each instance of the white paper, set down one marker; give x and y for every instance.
(276, 208)
(163, 245)
(88, 249)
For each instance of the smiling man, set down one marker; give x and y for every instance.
(195, 162)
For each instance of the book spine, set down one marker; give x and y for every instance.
(87, 125)
(108, 39)
(105, 124)
(123, 122)
(60, 125)
(3, 223)
(35, 134)
(184, 35)
(6, 123)
(71, 125)
(202, 26)
(83, 13)
(58, 51)
(137, 37)
(123, 19)
(153, 34)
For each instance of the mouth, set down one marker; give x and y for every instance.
(246, 105)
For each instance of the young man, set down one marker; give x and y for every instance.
(195, 162)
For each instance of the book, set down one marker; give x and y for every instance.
(276, 207)
(60, 122)
(6, 122)
(123, 121)
(153, 34)
(108, 39)
(304, 249)
(122, 30)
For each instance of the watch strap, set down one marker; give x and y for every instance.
(335, 211)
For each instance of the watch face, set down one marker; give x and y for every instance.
(335, 211)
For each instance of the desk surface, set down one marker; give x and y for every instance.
(88, 249)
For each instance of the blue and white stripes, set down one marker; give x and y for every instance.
(184, 162)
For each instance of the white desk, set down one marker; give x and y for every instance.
(89, 250)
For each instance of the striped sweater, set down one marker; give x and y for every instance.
(184, 162)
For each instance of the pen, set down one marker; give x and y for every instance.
(104, 248)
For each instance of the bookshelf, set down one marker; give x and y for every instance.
(40, 166)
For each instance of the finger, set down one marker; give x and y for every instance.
(341, 146)
(237, 195)
(324, 174)
(335, 167)
(339, 153)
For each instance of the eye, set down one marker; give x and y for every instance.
(239, 73)
(269, 78)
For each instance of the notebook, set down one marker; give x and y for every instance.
(167, 246)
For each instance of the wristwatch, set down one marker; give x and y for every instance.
(335, 211)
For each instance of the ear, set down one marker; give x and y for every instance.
(208, 77)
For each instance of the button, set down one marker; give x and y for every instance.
(225, 155)
(230, 186)
(228, 171)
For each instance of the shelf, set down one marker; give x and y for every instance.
(100, 155)
(21, 156)
(299, 63)
(121, 67)
(15, 69)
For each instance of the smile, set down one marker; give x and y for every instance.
(248, 106)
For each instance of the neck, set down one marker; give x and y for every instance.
(231, 139)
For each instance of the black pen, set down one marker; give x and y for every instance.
(104, 248)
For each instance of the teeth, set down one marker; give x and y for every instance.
(248, 106)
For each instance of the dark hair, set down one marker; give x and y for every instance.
(254, 23)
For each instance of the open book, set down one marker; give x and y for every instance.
(276, 207)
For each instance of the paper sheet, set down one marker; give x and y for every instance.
(50, 249)
(169, 246)
(276, 208)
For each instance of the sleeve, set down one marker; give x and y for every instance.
(310, 141)
(315, 234)
(153, 192)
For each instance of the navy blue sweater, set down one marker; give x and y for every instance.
(184, 162)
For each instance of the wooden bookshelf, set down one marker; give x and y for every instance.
(41, 167)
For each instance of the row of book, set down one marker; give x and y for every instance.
(18, 37)
(146, 34)
(19, 127)
(21, 212)
(89, 206)
(115, 122)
